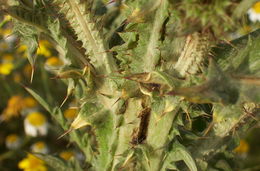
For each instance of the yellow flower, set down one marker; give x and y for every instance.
(22, 50)
(29, 102)
(7, 18)
(54, 62)
(5, 32)
(12, 141)
(256, 7)
(44, 48)
(254, 12)
(66, 155)
(32, 163)
(29, 105)
(35, 124)
(6, 68)
(70, 114)
(27, 70)
(39, 147)
(242, 148)
(14, 106)
(245, 30)
(7, 58)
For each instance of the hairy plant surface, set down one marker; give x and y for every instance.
(142, 72)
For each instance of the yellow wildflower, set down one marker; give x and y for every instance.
(5, 32)
(70, 114)
(40, 147)
(29, 102)
(13, 141)
(7, 58)
(22, 49)
(6, 68)
(32, 163)
(7, 18)
(256, 7)
(14, 106)
(66, 155)
(54, 62)
(254, 12)
(35, 124)
(44, 48)
(242, 148)
(27, 70)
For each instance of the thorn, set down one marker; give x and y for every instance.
(127, 78)
(230, 43)
(116, 101)
(107, 51)
(32, 74)
(85, 70)
(65, 133)
(160, 117)
(208, 129)
(74, 107)
(65, 99)
(24, 86)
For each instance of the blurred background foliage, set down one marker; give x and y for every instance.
(26, 127)
(18, 109)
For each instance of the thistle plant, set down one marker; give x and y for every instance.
(141, 73)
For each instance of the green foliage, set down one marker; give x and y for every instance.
(179, 153)
(136, 77)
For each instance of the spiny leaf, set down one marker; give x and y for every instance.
(238, 52)
(71, 87)
(163, 79)
(29, 38)
(90, 114)
(84, 25)
(208, 92)
(160, 125)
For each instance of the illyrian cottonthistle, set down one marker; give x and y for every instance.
(142, 73)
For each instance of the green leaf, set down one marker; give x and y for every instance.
(225, 118)
(54, 111)
(223, 165)
(104, 132)
(179, 152)
(39, 99)
(152, 55)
